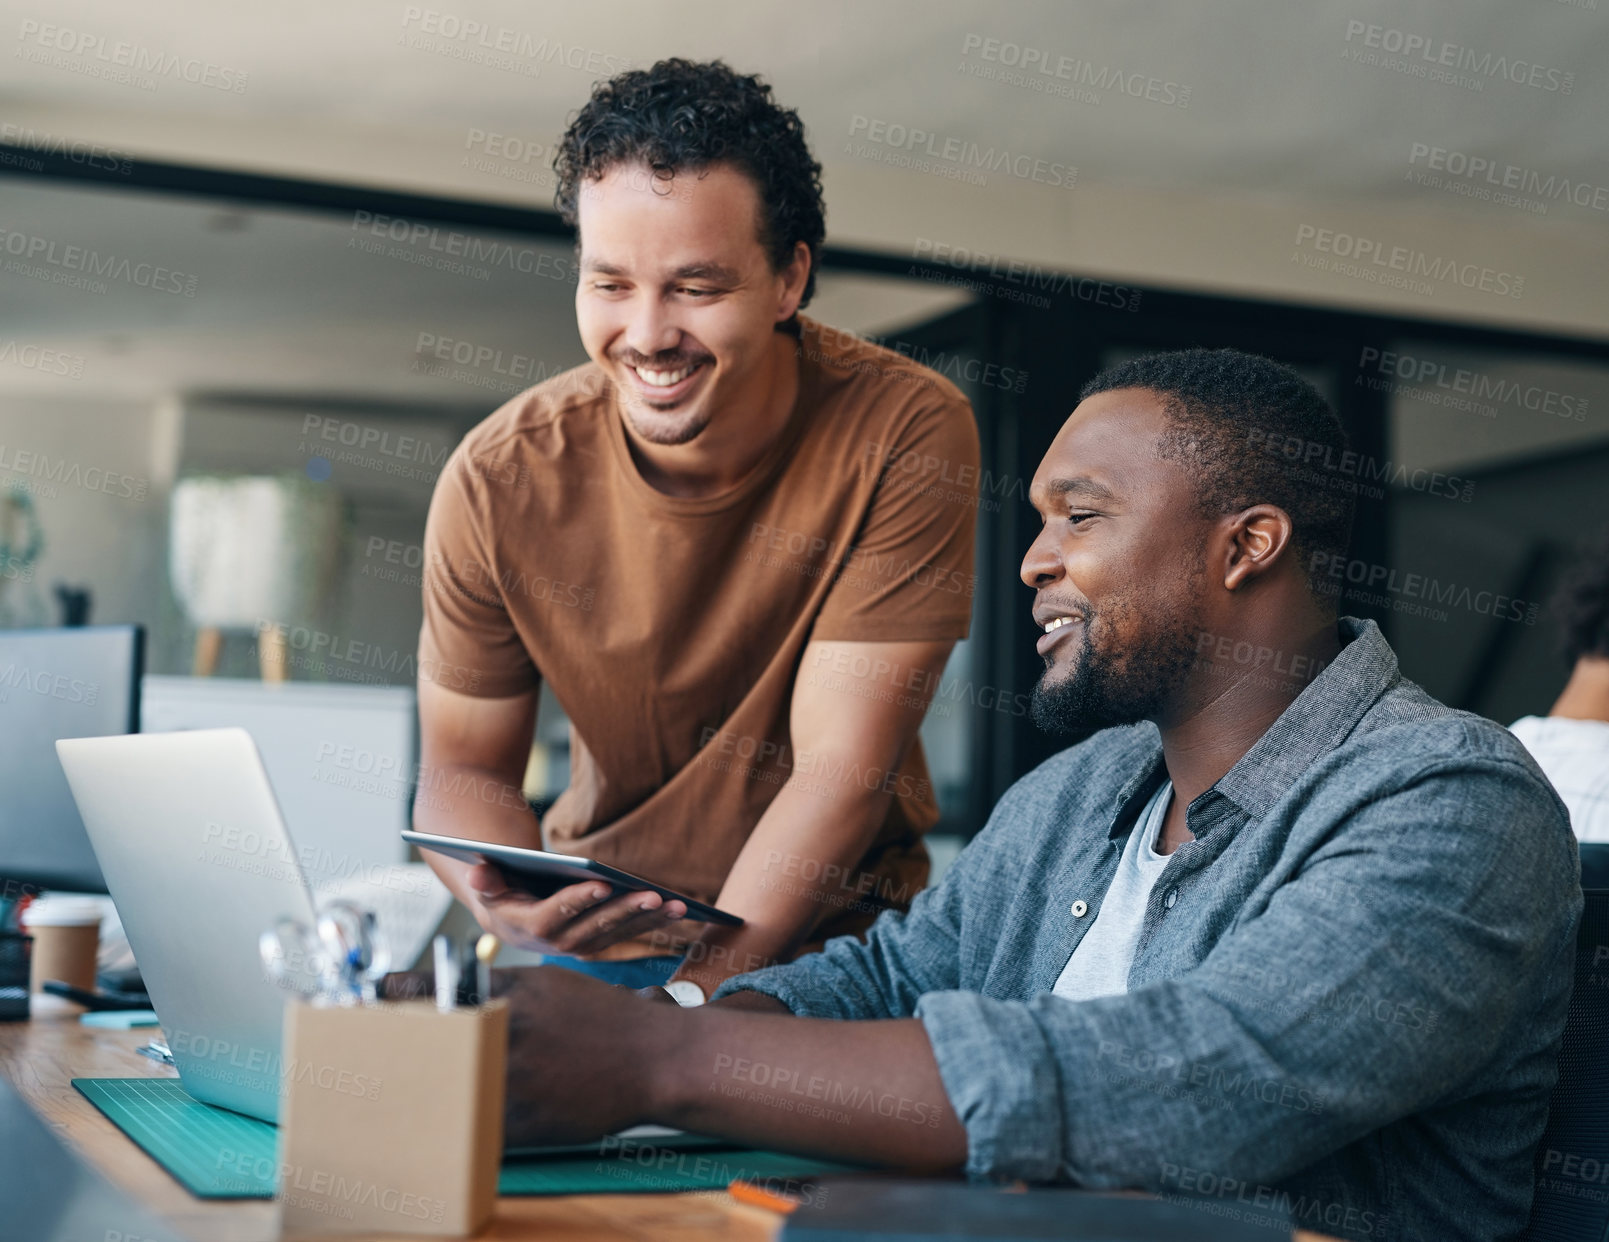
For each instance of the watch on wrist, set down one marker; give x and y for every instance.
(686, 993)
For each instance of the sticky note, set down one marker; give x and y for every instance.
(119, 1019)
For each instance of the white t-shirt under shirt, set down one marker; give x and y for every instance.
(1100, 964)
(1574, 755)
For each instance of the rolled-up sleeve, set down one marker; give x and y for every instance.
(1361, 990)
(1002, 1074)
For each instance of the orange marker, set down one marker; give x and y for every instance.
(744, 1192)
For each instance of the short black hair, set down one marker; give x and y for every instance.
(1582, 604)
(1250, 429)
(688, 115)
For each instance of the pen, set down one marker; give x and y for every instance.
(446, 975)
(747, 1192)
(467, 974)
(485, 954)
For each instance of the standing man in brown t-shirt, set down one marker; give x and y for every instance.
(736, 544)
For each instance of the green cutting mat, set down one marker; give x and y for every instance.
(217, 1154)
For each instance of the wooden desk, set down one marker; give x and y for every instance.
(42, 1056)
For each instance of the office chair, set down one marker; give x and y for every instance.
(1572, 1160)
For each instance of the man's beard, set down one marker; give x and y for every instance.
(1115, 687)
(665, 426)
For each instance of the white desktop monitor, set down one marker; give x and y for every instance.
(59, 683)
(341, 758)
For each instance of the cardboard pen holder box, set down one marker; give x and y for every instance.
(391, 1118)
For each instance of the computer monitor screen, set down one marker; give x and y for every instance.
(80, 682)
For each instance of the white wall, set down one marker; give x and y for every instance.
(98, 472)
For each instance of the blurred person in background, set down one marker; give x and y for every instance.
(1571, 743)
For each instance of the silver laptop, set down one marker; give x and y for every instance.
(199, 864)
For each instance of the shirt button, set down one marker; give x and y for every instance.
(1080, 909)
(1173, 896)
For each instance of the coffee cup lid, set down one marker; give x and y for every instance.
(62, 912)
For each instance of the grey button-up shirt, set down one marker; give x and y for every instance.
(1348, 994)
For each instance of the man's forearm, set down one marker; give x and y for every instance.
(858, 1091)
(802, 834)
(462, 801)
(849, 736)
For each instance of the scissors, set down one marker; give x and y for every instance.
(340, 961)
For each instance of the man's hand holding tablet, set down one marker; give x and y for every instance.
(576, 920)
(558, 903)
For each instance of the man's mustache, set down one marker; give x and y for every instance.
(663, 362)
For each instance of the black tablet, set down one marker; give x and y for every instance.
(542, 874)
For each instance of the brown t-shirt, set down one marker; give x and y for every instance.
(671, 629)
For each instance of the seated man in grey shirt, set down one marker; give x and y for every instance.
(1284, 928)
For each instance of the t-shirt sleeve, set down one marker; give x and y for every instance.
(909, 575)
(468, 642)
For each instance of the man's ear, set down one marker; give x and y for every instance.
(1258, 538)
(794, 277)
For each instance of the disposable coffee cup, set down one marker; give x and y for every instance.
(67, 940)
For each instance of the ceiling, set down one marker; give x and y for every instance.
(1274, 104)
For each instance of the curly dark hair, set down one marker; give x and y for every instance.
(1234, 421)
(1582, 604)
(687, 115)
